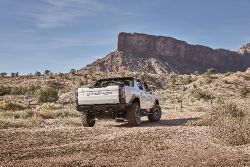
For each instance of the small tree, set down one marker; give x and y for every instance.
(38, 74)
(47, 72)
(13, 74)
(3, 74)
(4, 90)
(72, 71)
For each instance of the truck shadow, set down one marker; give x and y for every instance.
(167, 122)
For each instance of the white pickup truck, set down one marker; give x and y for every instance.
(122, 99)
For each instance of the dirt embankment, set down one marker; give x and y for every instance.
(168, 143)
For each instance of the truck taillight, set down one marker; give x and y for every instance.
(122, 94)
(76, 96)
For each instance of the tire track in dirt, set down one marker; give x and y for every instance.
(167, 143)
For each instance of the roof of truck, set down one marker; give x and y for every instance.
(117, 78)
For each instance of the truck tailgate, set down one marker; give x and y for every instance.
(104, 95)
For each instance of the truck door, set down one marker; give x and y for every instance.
(150, 98)
(145, 96)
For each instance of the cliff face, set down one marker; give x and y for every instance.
(158, 54)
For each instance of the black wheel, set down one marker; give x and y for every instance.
(156, 114)
(88, 120)
(134, 115)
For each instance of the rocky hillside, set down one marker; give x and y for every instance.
(244, 49)
(159, 54)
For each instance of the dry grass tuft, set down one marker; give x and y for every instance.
(228, 122)
(6, 105)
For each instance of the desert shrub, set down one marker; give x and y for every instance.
(200, 94)
(231, 124)
(18, 90)
(6, 105)
(173, 83)
(246, 77)
(32, 89)
(208, 75)
(208, 80)
(4, 90)
(47, 94)
(186, 80)
(210, 71)
(27, 114)
(244, 92)
(228, 122)
(54, 84)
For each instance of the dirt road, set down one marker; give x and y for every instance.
(168, 143)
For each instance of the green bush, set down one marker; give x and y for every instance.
(47, 94)
(4, 90)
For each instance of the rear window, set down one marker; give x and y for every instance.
(110, 82)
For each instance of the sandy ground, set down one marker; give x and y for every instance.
(167, 143)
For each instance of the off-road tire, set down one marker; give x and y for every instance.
(156, 114)
(88, 120)
(134, 115)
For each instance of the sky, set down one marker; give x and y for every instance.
(59, 35)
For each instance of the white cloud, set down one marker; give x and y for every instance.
(54, 13)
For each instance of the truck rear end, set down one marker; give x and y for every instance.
(108, 98)
(97, 96)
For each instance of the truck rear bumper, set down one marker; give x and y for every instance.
(102, 107)
(107, 111)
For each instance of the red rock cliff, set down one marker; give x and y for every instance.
(159, 54)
